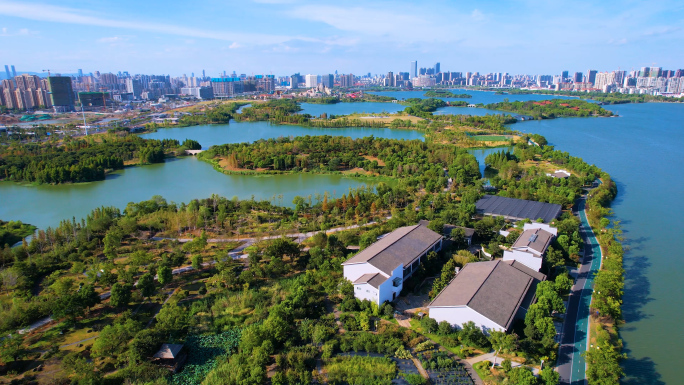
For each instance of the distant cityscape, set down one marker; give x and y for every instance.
(62, 93)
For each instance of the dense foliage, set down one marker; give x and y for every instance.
(446, 94)
(549, 109)
(79, 160)
(14, 231)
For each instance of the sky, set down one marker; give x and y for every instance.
(282, 37)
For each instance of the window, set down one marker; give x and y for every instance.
(358, 288)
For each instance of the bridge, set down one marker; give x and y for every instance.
(193, 152)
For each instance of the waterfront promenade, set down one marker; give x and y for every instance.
(571, 363)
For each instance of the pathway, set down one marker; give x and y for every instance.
(498, 360)
(571, 363)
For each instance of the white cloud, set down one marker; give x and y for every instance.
(50, 13)
(113, 39)
(477, 15)
(234, 45)
(20, 32)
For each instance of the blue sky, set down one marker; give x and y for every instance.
(287, 36)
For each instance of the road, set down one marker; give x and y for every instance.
(571, 364)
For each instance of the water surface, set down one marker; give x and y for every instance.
(642, 150)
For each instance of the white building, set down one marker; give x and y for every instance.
(531, 245)
(492, 294)
(378, 272)
(311, 81)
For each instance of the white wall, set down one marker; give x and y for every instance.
(458, 315)
(527, 259)
(353, 272)
(366, 291)
(543, 226)
(387, 287)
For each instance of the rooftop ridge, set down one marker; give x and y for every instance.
(482, 284)
(398, 239)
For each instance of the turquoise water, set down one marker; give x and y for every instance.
(350, 108)
(484, 97)
(237, 132)
(178, 180)
(642, 151)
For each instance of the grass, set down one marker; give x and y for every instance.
(490, 138)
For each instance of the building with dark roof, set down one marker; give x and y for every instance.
(492, 294)
(170, 356)
(517, 209)
(530, 247)
(378, 271)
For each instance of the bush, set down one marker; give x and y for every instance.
(429, 325)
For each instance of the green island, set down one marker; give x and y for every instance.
(14, 231)
(83, 160)
(550, 109)
(345, 98)
(118, 284)
(602, 97)
(446, 94)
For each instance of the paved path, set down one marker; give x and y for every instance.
(571, 364)
(498, 360)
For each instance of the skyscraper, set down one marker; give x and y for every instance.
(80, 73)
(564, 75)
(311, 81)
(390, 79)
(413, 72)
(14, 72)
(7, 73)
(134, 87)
(437, 70)
(577, 78)
(591, 76)
(61, 93)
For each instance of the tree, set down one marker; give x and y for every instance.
(458, 237)
(88, 297)
(501, 342)
(146, 285)
(197, 262)
(120, 295)
(445, 328)
(172, 318)
(549, 376)
(11, 348)
(164, 275)
(471, 335)
(522, 376)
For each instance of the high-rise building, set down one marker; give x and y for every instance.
(328, 80)
(133, 86)
(14, 72)
(80, 73)
(644, 72)
(564, 75)
(311, 80)
(390, 79)
(591, 76)
(7, 73)
(577, 78)
(413, 72)
(227, 87)
(655, 72)
(347, 80)
(61, 93)
(437, 70)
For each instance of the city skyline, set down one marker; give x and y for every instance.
(281, 37)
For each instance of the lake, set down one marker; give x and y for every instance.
(484, 97)
(178, 180)
(642, 151)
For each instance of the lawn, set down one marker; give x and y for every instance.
(490, 138)
(360, 370)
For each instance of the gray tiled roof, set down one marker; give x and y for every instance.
(168, 351)
(517, 208)
(467, 230)
(535, 239)
(373, 279)
(532, 273)
(494, 289)
(401, 246)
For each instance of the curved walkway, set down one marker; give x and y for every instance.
(571, 363)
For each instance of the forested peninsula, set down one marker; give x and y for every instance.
(82, 160)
